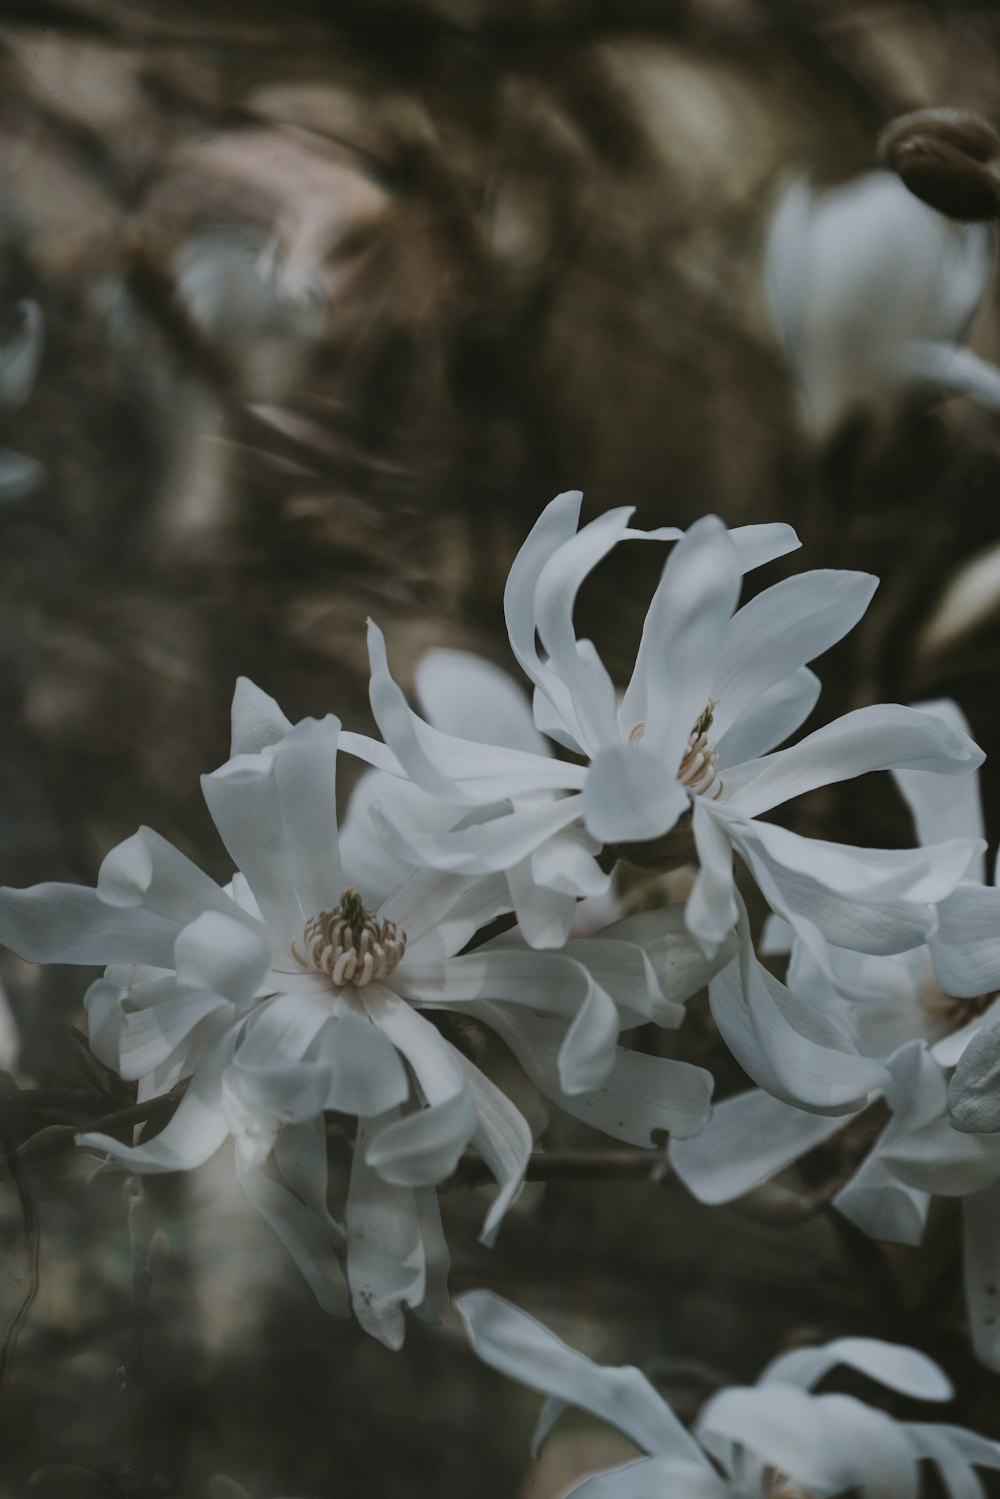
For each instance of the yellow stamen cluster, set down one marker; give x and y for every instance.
(349, 944)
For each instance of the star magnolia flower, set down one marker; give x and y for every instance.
(918, 1014)
(712, 692)
(772, 1440)
(294, 992)
(871, 292)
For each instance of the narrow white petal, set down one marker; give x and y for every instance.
(631, 795)
(748, 1139)
(386, 1266)
(514, 1343)
(981, 1252)
(257, 721)
(770, 720)
(470, 698)
(892, 1365)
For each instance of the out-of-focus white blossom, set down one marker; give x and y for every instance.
(871, 293)
(772, 1440)
(19, 361)
(292, 992)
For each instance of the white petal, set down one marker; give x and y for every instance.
(367, 1077)
(748, 1139)
(950, 367)
(630, 795)
(966, 945)
(591, 714)
(194, 1133)
(711, 908)
(55, 923)
(943, 808)
(756, 545)
(654, 1477)
(882, 737)
(509, 1340)
(386, 1267)
(305, 778)
(422, 1147)
(678, 962)
(458, 770)
(892, 1365)
(257, 721)
(470, 698)
(937, 1443)
(368, 864)
(681, 639)
(223, 955)
(305, 1234)
(780, 631)
(973, 1093)
(502, 1138)
(641, 1097)
(148, 1037)
(770, 720)
(822, 1442)
(484, 847)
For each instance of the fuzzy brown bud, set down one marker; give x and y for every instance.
(949, 158)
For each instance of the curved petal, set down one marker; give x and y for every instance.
(883, 737)
(422, 1147)
(514, 1343)
(748, 1139)
(502, 1138)
(194, 1133)
(366, 1076)
(641, 1097)
(966, 946)
(890, 1364)
(386, 1264)
(781, 630)
(770, 720)
(653, 1478)
(311, 1238)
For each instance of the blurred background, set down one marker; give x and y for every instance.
(330, 298)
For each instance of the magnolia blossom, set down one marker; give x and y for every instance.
(916, 1014)
(772, 1440)
(305, 986)
(871, 292)
(689, 746)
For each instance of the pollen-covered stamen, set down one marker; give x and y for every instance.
(953, 1009)
(780, 1487)
(349, 944)
(700, 762)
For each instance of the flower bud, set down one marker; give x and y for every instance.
(949, 158)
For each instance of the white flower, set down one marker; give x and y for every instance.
(712, 693)
(772, 1440)
(870, 291)
(294, 992)
(918, 1014)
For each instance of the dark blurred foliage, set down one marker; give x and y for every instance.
(337, 294)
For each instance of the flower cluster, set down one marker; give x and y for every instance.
(472, 876)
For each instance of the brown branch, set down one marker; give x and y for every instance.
(61, 1137)
(569, 1165)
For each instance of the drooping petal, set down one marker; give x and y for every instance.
(748, 1139)
(305, 1234)
(711, 911)
(944, 808)
(503, 1140)
(678, 962)
(885, 736)
(386, 1268)
(194, 1133)
(514, 1343)
(366, 1074)
(953, 1457)
(422, 1147)
(974, 1090)
(483, 847)
(641, 1097)
(553, 528)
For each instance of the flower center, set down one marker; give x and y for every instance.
(699, 765)
(349, 944)
(781, 1487)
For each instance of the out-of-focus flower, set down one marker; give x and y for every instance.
(871, 293)
(292, 993)
(772, 1440)
(20, 357)
(713, 691)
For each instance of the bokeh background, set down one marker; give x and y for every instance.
(336, 294)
